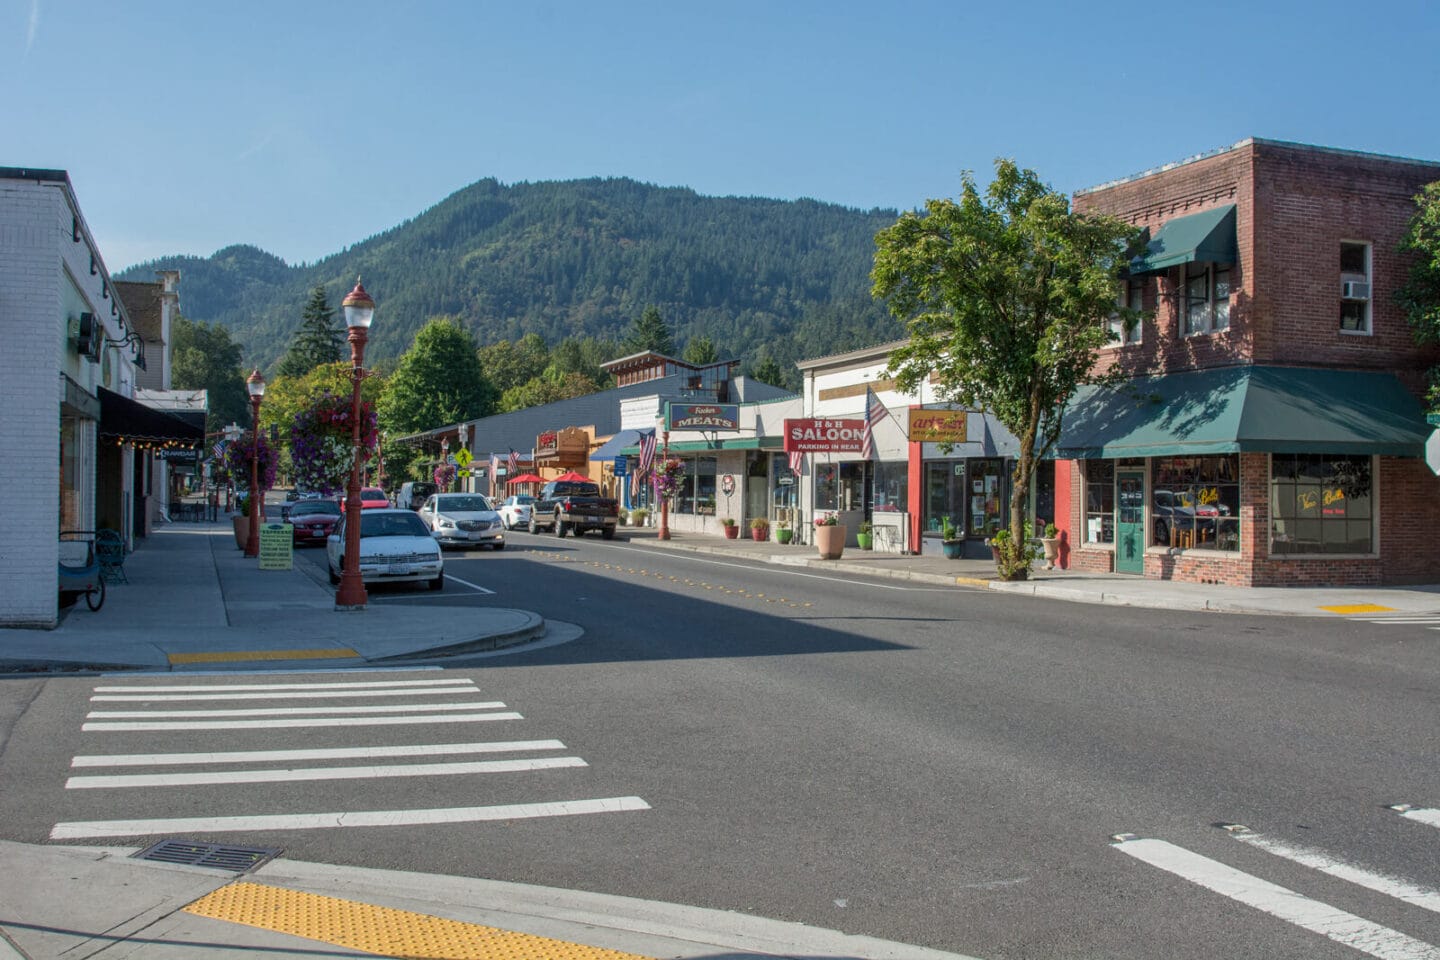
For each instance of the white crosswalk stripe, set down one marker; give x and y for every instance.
(1316, 916)
(1399, 620)
(151, 708)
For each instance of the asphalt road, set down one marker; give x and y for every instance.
(939, 766)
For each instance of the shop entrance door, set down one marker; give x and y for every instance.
(1129, 521)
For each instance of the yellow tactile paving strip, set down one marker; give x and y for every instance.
(383, 930)
(228, 656)
(1359, 608)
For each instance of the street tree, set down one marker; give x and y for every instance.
(438, 381)
(318, 340)
(1420, 295)
(650, 332)
(1006, 296)
(203, 357)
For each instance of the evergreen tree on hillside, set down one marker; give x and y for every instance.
(768, 371)
(650, 332)
(318, 340)
(700, 351)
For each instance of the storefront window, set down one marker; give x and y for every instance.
(827, 486)
(1099, 501)
(1195, 502)
(988, 500)
(785, 494)
(892, 486)
(1320, 504)
(705, 486)
(840, 486)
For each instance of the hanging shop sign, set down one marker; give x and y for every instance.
(938, 426)
(702, 416)
(812, 435)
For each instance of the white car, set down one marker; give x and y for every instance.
(463, 520)
(515, 511)
(395, 547)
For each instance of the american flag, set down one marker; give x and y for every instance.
(874, 412)
(512, 465)
(647, 455)
(797, 462)
(218, 449)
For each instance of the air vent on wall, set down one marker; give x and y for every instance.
(1354, 290)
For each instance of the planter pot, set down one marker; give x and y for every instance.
(784, 536)
(952, 548)
(1052, 551)
(830, 541)
(865, 540)
(759, 534)
(732, 533)
(242, 529)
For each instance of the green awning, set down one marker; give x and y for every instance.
(699, 446)
(1245, 410)
(1207, 237)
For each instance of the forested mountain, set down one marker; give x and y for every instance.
(761, 278)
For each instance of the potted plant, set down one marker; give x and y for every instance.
(829, 537)
(638, 517)
(759, 529)
(950, 540)
(783, 533)
(865, 536)
(732, 529)
(622, 517)
(1051, 544)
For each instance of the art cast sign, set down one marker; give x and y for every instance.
(703, 416)
(813, 435)
(938, 426)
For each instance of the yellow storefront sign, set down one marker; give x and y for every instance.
(938, 426)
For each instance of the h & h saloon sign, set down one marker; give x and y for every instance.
(812, 435)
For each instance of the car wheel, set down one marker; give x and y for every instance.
(438, 583)
(334, 577)
(533, 529)
(561, 527)
(608, 533)
(497, 546)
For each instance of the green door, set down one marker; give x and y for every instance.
(1129, 521)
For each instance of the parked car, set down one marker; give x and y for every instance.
(395, 547)
(313, 520)
(371, 498)
(567, 506)
(515, 511)
(463, 520)
(413, 493)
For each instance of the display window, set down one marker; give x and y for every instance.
(1195, 502)
(1321, 504)
(1099, 501)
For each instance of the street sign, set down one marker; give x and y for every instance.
(451, 459)
(1433, 419)
(462, 472)
(464, 457)
(621, 467)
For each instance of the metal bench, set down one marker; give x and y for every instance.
(110, 551)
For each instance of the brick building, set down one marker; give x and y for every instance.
(1269, 431)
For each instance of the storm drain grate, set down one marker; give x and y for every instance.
(218, 855)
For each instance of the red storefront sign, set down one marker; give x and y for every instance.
(812, 435)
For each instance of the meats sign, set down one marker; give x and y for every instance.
(810, 435)
(702, 416)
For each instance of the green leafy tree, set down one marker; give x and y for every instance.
(650, 332)
(700, 351)
(1420, 296)
(287, 396)
(1006, 296)
(203, 357)
(582, 356)
(318, 340)
(509, 364)
(547, 389)
(438, 381)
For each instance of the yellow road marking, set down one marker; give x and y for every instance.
(1359, 608)
(225, 656)
(381, 930)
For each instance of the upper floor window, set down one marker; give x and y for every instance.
(1355, 287)
(1131, 297)
(1205, 299)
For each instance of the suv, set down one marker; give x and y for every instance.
(413, 493)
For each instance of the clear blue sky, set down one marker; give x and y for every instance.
(303, 127)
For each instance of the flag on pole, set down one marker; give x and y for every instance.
(512, 465)
(218, 449)
(647, 457)
(874, 413)
(797, 462)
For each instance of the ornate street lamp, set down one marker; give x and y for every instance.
(359, 309)
(665, 499)
(255, 385)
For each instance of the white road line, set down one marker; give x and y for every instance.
(316, 695)
(339, 753)
(1402, 620)
(135, 726)
(89, 829)
(292, 711)
(1431, 818)
(369, 772)
(357, 685)
(1396, 887)
(1313, 915)
(473, 586)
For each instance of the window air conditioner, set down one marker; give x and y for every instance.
(87, 343)
(1354, 290)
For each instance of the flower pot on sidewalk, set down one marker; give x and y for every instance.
(242, 529)
(830, 540)
(732, 532)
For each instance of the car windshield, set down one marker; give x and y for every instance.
(372, 493)
(392, 525)
(462, 504)
(309, 507)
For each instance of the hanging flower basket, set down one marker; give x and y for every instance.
(322, 443)
(237, 461)
(667, 476)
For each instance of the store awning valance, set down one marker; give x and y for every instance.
(734, 443)
(122, 418)
(616, 445)
(1207, 237)
(1245, 410)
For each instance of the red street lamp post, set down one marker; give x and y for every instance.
(359, 310)
(665, 497)
(255, 386)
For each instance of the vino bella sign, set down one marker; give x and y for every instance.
(811, 435)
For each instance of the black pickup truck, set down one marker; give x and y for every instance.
(566, 506)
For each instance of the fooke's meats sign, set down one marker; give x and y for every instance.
(810, 435)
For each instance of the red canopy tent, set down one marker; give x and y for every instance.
(526, 478)
(571, 476)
